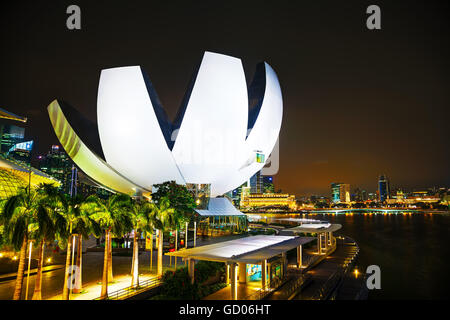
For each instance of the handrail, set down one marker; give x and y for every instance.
(267, 289)
(293, 286)
(337, 276)
(133, 290)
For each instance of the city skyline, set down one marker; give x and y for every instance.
(357, 103)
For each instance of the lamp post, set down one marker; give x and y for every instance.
(73, 255)
(176, 246)
(28, 274)
(195, 232)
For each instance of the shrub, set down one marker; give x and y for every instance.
(206, 269)
(177, 284)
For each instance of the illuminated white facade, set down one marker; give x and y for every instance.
(214, 141)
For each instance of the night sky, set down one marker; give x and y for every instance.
(357, 103)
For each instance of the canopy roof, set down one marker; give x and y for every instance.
(4, 114)
(313, 228)
(15, 175)
(20, 167)
(219, 207)
(246, 250)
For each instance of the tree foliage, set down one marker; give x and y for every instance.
(179, 197)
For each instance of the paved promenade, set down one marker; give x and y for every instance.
(322, 272)
(53, 279)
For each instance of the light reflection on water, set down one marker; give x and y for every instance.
(412, 250)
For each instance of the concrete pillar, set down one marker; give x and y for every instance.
(233, 281)
(191, 269)
(269, 268)
(227, 278)
(242, 272)
(263, 273)
(299, 257)
(319, 245)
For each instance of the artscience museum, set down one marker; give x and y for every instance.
(223, 134)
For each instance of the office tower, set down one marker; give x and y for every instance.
(340, 192)
(383, 188)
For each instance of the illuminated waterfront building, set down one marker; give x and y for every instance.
(244, 123)
(340, 192)
(268, 200)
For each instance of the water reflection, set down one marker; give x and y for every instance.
(412, 249)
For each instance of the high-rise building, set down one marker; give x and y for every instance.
(10, 133)
(21, 151)
(340, 192)
(372, 196)
(268, 185)
(364, 195)
(57, 164)
(256, 183)
(383, 188)
(359, 195)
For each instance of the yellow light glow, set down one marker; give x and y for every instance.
(1, 254)
(356, 273)
(15, 258)
(197, 202)
(49, 260)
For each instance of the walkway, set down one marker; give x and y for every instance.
(92, 290)
(325, 276)
(243, 291)
(53, 278)
(13, 275)
(52, 281)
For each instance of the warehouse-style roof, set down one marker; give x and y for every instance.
(246, 250)
(313, 228)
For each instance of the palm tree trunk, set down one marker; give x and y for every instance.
(132, 264)
(20, 270)
(160, 252)
(78, 286)
(104, 293)
(110, 273)
(151, 251)
(65, 295)
(38, 282)
(135, 263)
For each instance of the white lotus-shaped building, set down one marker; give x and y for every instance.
(220, 130)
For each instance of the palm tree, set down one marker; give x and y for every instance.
(164, 219)
(79, 225)
(180, 220)
(25, 218)
(51, 226)
(113, 217)
(141, 217)
(71, 210)
(84, 227)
